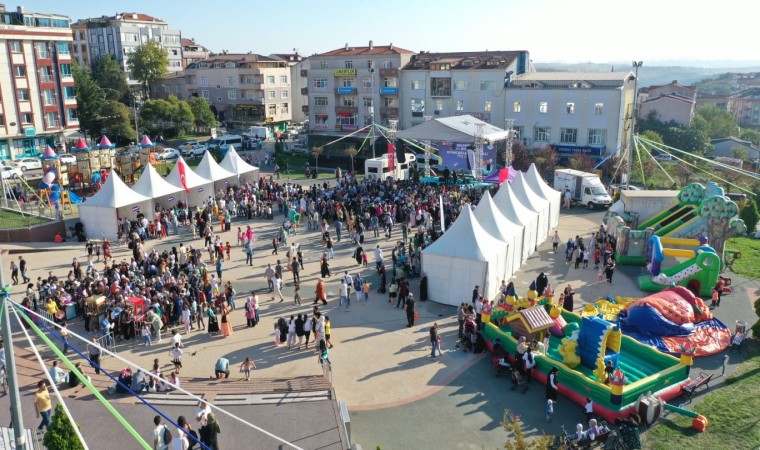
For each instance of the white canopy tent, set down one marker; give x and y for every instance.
(232, 162)
(453, 129)
(507, 232)
(465, 256)
(515, 211)
(534, 202)
(540, 187)
(153, 185)
(115, 200)
(200, 188)
(209, 169)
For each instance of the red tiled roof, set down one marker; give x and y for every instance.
(475, 60)
(366, 51)
(673, 96)
(187, 42)
(139, 17)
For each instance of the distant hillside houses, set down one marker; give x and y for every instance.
(669, 102)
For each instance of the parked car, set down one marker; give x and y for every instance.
(28, 163)
(737, 197)
(193, 148)
(11, 172)
(300, 148)
(169, 154)
(68, 158)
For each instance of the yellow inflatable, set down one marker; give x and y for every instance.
(599, 373)
(568, 351)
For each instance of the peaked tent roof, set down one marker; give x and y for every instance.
(527, 195)
(232, 162)
(209, 169)
(192, 179)
(452, 129)
(507, 202)
(151, 184)
(538, 184)
(466, 239)
(115, 194)
(493, 221)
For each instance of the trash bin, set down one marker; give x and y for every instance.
(740, 327)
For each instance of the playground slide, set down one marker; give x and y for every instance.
(75, 198)
(677, 223)
(698, 274)
(659, 216)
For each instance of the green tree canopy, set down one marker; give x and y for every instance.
(720, 123)
(60, 433)
(117, 122)
(147, 63)
(90, 98)
(204, 116)
(170, 117)
(750, 135)
(109, 75)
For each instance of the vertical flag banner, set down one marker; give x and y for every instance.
(182, 177)
(391, 157)
(443, 224)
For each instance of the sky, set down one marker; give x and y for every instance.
(659, 32)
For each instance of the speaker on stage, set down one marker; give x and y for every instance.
(400, 151)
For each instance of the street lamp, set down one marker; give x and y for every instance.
(636, 65)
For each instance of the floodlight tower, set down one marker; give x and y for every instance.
(510, 139)
(479, 143)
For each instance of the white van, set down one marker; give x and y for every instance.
(377, 168)
(224, 142)
(261, 132)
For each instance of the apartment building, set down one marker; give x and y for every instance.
(350, 87)
(192, 52)
(299, 84)
(244, 89)
(745, 107)
(458, 83)
(122, 34)
(574, 112)
(668, 102)
(37, 97)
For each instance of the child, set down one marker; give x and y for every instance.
(600, 275)
(597, 256)
(323, 356)
(585, 259)
(228, 249)
(246, 367)
(276, 335)
(549, 411)
(97, 251)
(240, 236)
(588, 409)
(145, 332)
(365, 289)
(364, 259)
(297, 295)
(715, 298)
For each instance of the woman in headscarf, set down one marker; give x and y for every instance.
(209, 432)
(541, 282)
(551, 384)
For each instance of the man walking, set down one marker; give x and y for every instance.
(410, 310)
(14, 272)
(95, 352)
(295, 268)
(435, 341)
(22, 266)
(42, 405)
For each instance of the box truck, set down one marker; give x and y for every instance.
(379, 168)
(585, 188)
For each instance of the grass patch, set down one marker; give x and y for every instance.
(731, 411)
(748, 265)
(11, 219)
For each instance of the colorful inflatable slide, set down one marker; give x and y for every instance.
(699, 273)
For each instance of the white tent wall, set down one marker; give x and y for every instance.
(153, 185)
(99, 222)
(451, 279)
(199, 187)
(491, 219)
(535, 202)
(210, 170)
(516, 212)
(552, 195)
(232, 162)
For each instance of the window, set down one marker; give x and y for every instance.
(283, 79)
(219, 99)
(217, 65)
(323, 65)
(349, 101)
(460, 105)
(204, 81)
(599, 109)
(46, 74)
(390, 102)
(71, 115)
(568, 135)
(26, 118)
(22, 95)
(285, 108)
(487, 85)
(597, 137)
(570, 108)
(440, 87)
(348, 82)
(417, 85)
(16, 46)
(41, 49)
(319, 82)
(367, 102)
(63, 48)
(178, 88)
(284, 93)
(19, 71)
(487, 106)
(366, 82)
(167, 89)
(270, 79)
(460, 85)
(48, 97)
(516, 107)
(517, 132)
(65, 70)
(418, 105)
(542, 134)
(543, 107)
(69, 93)
(230, 81)
(249, 95)
(2, 124)
(204, 94)
(51, 119)
(320, 101)
(231, 94)
(348, 64)
(347, 120)
(271, 95)
(439, 105)
(272, 110)
(320, 119)
(389, 82)
(387, 64)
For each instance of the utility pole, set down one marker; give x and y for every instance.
(134, 108)
(10, 367)
(510, 140)
(636, 65)
(4, 201)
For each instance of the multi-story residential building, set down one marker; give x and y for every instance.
(172, 84)
(192, 52)
(716, 100)
(37, 97)
(245, 89)
(351, 87)
(299, 84)
(745, 107)
(457, 83)
(574, 112)
(672, 102)
(121, 34)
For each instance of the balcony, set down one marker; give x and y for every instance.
(389, 111)
(304, 72)
(345, 91)
(440, 93)
(388, 73)
(305, 91)
(346, 110)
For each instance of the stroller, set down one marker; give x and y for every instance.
(470, 336)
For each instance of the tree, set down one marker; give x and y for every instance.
(60, 433)
(582, 162)
(204, 116)
(182, 116)
(116, 122)
(750, 216)
(155, 116)
(351, 151)
(750, 135)
(90, 99)
(315, 152)
(652, 135)
(615, 166)
(545, 159)
(683, 174)
(722, 223)
(739, 152)
(520, 156)
(719, 122)
(147, 63)
(109, 75)
(517, 441)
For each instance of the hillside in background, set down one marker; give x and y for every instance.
(654, 75)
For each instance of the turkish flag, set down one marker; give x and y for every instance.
(182, 178)
(503, 175)
(391, 156)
